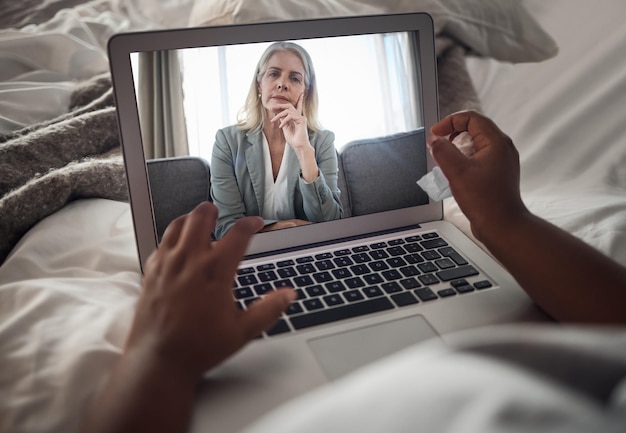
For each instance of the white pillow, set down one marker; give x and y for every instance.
(503, 30)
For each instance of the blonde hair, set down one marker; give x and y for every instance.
(252, 114)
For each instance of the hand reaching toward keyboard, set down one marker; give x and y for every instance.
(186, 323)
(188, 288)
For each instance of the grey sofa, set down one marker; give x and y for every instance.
(177, 185)
(380, 174)
(375, 175)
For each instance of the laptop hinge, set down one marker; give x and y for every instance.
(330, 242)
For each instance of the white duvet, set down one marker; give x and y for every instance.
(566, 116)
(67, 291)
(66, 300)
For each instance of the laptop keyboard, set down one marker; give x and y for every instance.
(352, 282)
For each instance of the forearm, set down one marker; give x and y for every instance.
(308, 164)
(567, 278)
(319, 201)
(143, 395)
(322, 196)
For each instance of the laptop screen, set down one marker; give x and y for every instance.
(365, 96)
(372, 92)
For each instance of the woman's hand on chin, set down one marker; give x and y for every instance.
(293, 123)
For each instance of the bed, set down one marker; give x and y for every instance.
(69, 274)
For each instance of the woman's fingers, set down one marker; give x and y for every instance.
(286, 115)
(300, 103)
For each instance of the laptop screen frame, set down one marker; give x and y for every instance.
(121, 46)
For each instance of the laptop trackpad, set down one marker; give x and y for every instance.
(342, 353)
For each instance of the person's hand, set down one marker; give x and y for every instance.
(186, 316)
(285, 224)
(293, 124)
(485, 184)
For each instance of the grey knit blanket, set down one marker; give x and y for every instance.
(45, 166)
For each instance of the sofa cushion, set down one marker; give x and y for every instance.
(381, 173)
(177, 186)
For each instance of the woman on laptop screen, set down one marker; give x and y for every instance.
(276, 161)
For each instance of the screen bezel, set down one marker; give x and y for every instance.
(419, 25)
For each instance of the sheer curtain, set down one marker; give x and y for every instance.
(396, 72)
(160, 99)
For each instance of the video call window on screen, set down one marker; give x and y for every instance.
(366, 84)
(368, 91)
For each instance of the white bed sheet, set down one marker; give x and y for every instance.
(566, 116)
(67, 296)
(68, 290)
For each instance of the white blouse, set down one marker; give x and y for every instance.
(276, 205)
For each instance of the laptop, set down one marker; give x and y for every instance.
(389, 272)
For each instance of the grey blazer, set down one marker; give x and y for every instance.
(238, 179)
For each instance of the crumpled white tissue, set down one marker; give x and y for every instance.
(434, 183)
